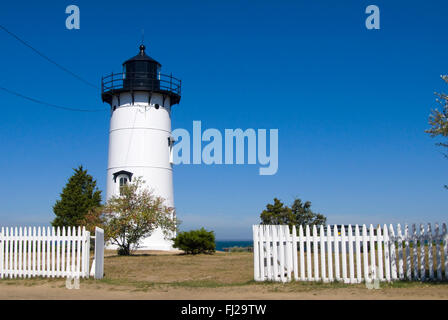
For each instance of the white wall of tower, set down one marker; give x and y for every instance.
(138, 143)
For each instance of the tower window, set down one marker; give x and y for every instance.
(121, 178)
(170, 148)
(123, 182)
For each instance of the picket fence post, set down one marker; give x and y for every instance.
(365, 251)
(63, 252)
(267, 235)
(7, 255)
(379, 244)
(294, 252)
(438, 253)
(372, 265)
(19, 240)
(289, 252)
(87, 262)
(408, 253)
(350, 254)
(430, 258)
(445, 249)
(275, 252)
(256, 254)
(315, 254)
(262, 253)
(322, 254)
(336, 253)
(330, 255)
(358, 255)
(308, 253)
(422, 253)
(15, 244)
(83, 252)
(415, 255)
(99, 253)
(386, 253)
(2, 244)
(344, 255)
(302, 254)
(282, 254)
(393, 259)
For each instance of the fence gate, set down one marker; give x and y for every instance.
(350, 254)
(47, 252)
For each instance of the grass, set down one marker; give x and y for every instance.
(147, 272)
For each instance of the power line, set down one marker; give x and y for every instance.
(47, 58)
(49, 104)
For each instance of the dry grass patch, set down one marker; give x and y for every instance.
(178, 269)
(221, 275)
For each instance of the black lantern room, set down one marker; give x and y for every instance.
(141, 73)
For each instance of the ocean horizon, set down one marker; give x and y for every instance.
(221, 244)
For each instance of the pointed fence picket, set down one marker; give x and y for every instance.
(351, 254)
(302, 254)
(48, 252)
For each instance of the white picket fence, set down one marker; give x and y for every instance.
(350, 254)
(46, 252)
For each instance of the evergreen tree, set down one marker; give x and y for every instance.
(277, 213)
(79, 196)
(303, 215)
(300, 213)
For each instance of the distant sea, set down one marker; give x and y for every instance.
(220, 245)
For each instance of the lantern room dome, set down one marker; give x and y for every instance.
(142, 56)
(141, 73)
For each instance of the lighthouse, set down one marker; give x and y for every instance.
(140, 140)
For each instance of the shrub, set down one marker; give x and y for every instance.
(195, 241)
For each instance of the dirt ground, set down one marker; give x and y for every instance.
(155, 275)
(39, 292)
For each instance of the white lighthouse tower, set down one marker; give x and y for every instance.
(140, 141)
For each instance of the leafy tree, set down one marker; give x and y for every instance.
(94, 218)
(439, 119)
(79, 196)
(196, 241)
(300, 213)
(134, 215)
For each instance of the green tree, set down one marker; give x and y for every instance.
(303, 214)
(94, 218)
(277, 213)
(439, 119)
(79, 196)
(134, 215)
(300, 213)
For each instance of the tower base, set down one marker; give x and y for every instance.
(156, 241)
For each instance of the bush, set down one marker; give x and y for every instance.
(195, 241)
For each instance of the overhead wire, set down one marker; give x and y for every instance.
(47, 58)
(49, 104)
(57, 65)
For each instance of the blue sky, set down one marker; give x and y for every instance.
(351, 104)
